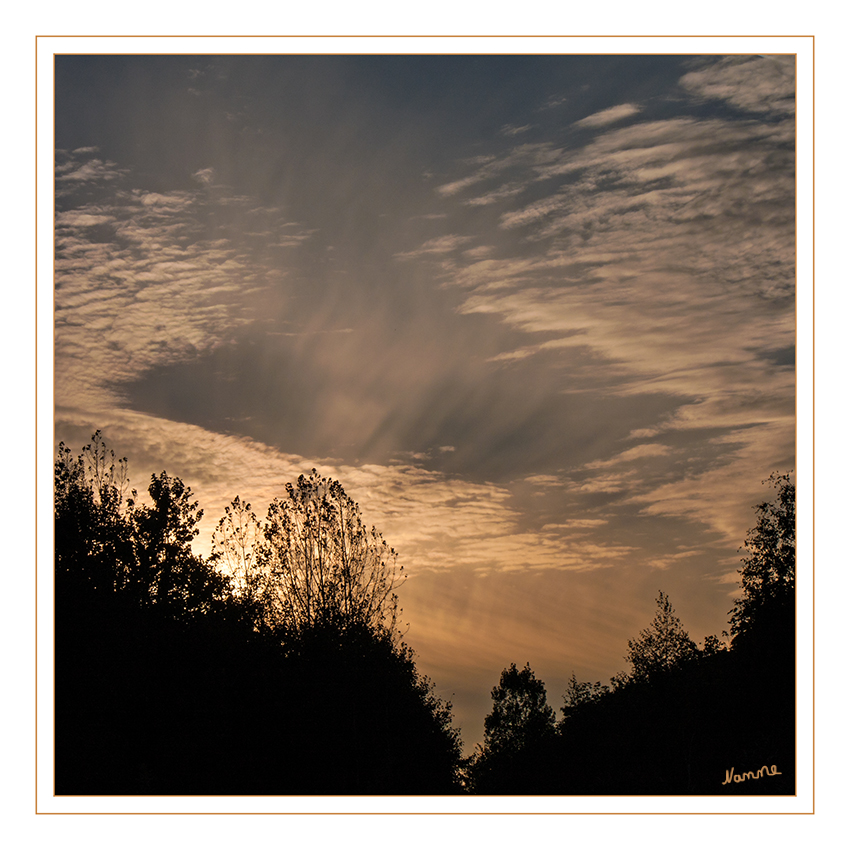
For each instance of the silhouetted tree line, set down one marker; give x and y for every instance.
(683, 720)
(273, 667)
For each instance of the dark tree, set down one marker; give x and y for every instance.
(520, 715)
(660, 648)
(518, 733)
(168, 574)
(94, 549)
(766, 607)
(580, 695)
(177, 674)
(323, 563)
(356, 717)
(236, 547)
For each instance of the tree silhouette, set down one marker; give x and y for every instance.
(164, 685)
(358, 717)
(94, 543)
(683, 717)
(167, 572)
(768, 571)
(517, 733)
(661, 647)
(580, 695)
(236, 547)
(520, 714)
(324, 563)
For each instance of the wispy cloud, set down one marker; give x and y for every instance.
(140, 283)
(609, 116)
(204, 175)
(667, 249)
(512, 130)
(636, 453)
(496, 195)
(754, 83)
(438, 245)
(436, 521)
(492, 166)
(78, 168)
(139, 286)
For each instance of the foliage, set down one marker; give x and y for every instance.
(164, 685)
(768, 571)
(236, 546)
(168, 573)
(663, 646)
(107, 543)
(366, 710)
(520, 713)
(324, 563)
(711, 646)
(580, 695)
(94, 546)
(683, 716)
(517, 734)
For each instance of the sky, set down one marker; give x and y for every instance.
(535, 313)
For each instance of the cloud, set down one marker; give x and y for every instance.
(204, 175)
(716, 496)
(72, 170)
(543, 480)
(753, 83)
(490, 167)
(438, 245)
(500, 194)
(554, 102)
(78, 219)
(455, 187)
(609, 116)
(636, 453)
(139, 284)
(666, 259)
(289, 239)
(479, 252)
(534, 212)
(654, 261)
(173, 200)
(531, 350)
(668, 561)
(512, 130)
(436, 521)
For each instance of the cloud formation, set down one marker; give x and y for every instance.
(144, 278)
(666, 249)
(609, 116)
(754, 83)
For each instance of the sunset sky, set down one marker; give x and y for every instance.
(535, 313)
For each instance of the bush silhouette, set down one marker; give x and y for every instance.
(171, 678)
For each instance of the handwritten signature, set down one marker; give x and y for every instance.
(764, 770)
